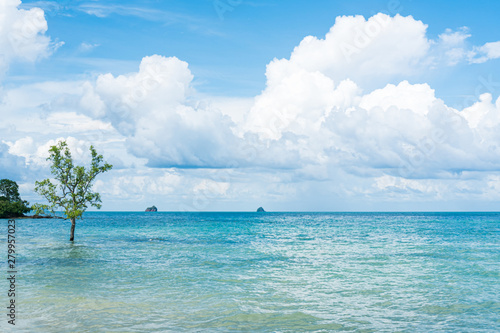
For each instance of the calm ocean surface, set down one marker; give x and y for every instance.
(271, 272)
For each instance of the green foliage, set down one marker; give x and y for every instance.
(41, 210)
(73, 193)
(11, 204)
(10, 190)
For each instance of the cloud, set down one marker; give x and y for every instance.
(451, 47)
(417, 97)
(360, 49)
(381, 49)
(11, 166)
(153, 110)
(135, 185)
(303, 122)
(22, 35)
(87, 47)
(486, 52)
(334, 118)
(208, 185)
(37, 153)
(313, 117)
(104, 10)
(400, 130)
(192, 22)
(314, 105)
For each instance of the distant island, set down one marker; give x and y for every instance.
(152, 209)
(260, 210)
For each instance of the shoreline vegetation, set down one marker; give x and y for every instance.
(34, 217)
(12, 207)
(11, 203)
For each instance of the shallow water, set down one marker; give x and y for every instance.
(271, 272)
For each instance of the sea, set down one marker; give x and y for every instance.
(255, 272)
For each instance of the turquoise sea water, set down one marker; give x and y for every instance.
(250, 272)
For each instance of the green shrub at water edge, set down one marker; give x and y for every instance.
(11, 204)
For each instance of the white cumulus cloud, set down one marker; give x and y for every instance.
(342, 116)
(154, 110)
(313, 116)
(486, 52)
(22, 34)
(377, 49)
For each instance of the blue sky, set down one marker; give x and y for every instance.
(228, 105)
(228, 43)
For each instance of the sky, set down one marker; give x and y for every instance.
(228, 105)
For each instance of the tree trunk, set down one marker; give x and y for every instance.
(73, 224)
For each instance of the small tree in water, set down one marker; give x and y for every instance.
(74, 193)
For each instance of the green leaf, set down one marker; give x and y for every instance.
(73, 192)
